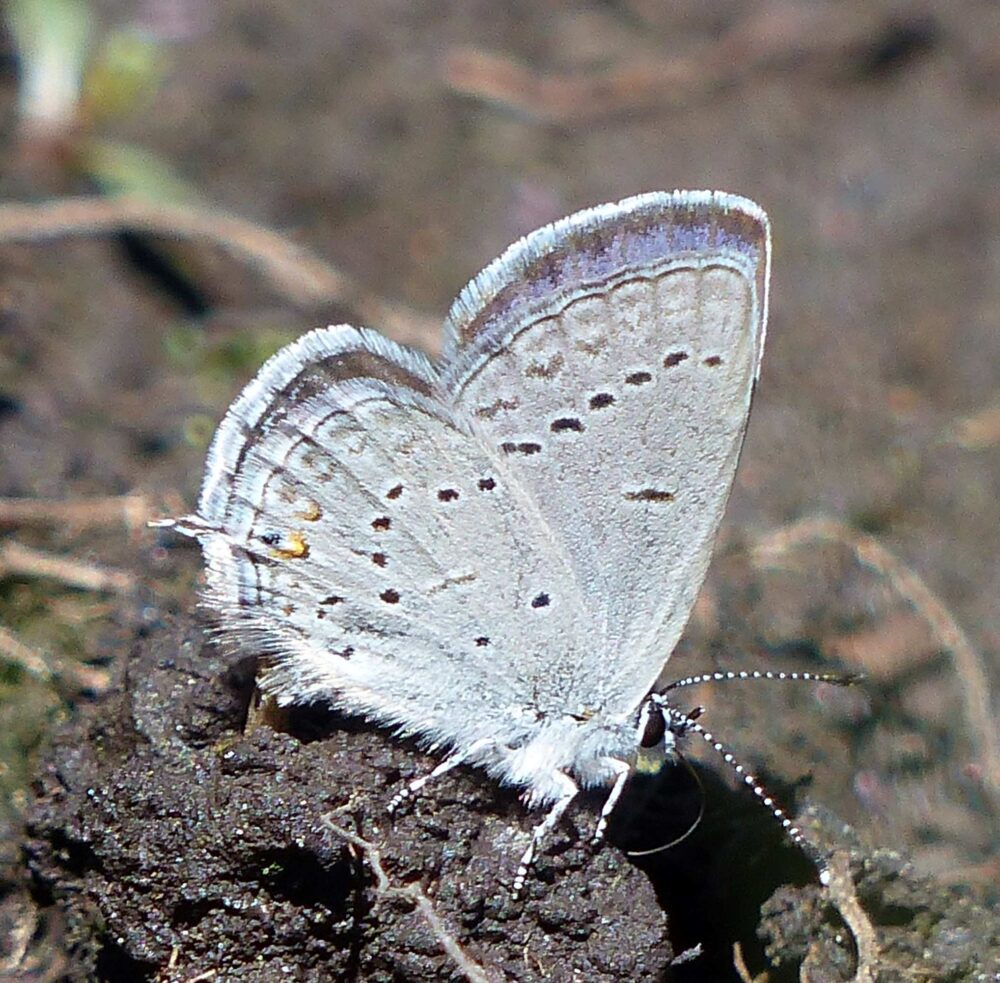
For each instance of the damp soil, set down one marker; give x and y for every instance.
(178, 829)
(147, 831)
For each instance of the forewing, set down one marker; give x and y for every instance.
(611, 359)
(366, 541)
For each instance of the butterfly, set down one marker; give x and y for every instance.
(496, 553)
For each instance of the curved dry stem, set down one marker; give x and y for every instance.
(472, 971)
(18, 653)
(17, 560)
(973, 681)
(291, 270)
(75, 514)
(841, 892)
(773, 37)
(740, 965)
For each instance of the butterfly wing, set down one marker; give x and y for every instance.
(611, 359)
(356, 532)
(521, 533)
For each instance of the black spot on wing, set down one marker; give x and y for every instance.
(649, 495)
(566, 423)
(638, 378)
(525, 447)
(541, 600)
(447, 494)
(599, 400)
(674, 358)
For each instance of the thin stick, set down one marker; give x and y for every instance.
(842, 894)
(779, 35)
(470, 970)
(46, 667)
(22, 561)
(13, 650)
(740, 965)
(972, 678)
(79, 513)
(569, 99)
(292, 270)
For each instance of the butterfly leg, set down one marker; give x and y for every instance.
(569, 792)
(452, 761)
(623, 771)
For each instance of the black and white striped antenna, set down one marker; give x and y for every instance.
(679, 724)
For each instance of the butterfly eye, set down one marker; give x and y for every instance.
(654, 728)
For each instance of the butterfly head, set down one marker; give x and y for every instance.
(658, 732)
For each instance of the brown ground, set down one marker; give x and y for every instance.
(407, 144)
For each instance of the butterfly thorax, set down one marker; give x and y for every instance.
(538, 757)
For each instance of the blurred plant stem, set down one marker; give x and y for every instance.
(53, 41)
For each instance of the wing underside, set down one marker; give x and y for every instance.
(621, 348)
(522, 530)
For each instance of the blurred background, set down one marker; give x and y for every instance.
(393, 148)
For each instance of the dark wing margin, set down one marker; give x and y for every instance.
(591, 251)
(319, 361)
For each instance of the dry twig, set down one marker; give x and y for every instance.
(33, 662)
(776, 36)
(472, 971)
(570, 98)
(971, 676)
(45, 667)
(292, 270)
(740, 965)
(841, 892)
(75, 514)
(32, 949)
(22, 561)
